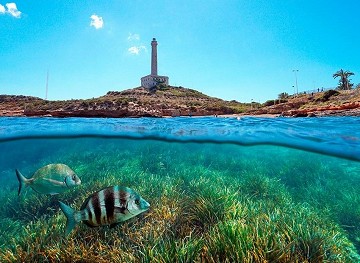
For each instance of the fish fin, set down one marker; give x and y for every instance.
(23, 181)
(70, 216)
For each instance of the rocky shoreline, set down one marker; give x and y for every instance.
(316, 112)
(348, 109)
(329, 103)
(178, 101)
(164, 101)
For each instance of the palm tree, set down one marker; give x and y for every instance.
(344, 82)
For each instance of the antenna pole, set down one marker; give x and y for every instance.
(47, 84)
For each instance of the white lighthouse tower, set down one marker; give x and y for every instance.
(154, 57)
(154, 79)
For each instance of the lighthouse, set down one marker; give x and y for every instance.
(154, 79)
(154, 57)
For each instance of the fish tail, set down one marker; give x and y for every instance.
(70, 216)
(23, 181)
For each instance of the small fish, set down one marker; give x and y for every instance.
(51, 179)
(108, 206)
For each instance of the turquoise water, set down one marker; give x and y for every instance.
(306, 168)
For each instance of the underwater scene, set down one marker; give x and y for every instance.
(180, 190)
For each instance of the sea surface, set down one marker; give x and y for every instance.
(287, 188)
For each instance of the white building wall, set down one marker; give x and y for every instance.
(150, 81)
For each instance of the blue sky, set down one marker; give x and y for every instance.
(242, 50)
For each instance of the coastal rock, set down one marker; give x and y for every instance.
(164, 101)
(311, 114)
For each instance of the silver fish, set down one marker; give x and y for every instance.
(108, 206)
(51, 179)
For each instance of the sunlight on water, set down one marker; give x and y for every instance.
(274, 188)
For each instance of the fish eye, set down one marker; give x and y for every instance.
(137, 202)
(74, 177)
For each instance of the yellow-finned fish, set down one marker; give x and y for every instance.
(108, 206)
(51, 179)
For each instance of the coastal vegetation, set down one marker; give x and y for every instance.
(159, 101)
(283, 96)
(244, 204)
(323, 103)
(165, 101)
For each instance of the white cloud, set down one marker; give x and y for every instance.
(135, 50)
(12, 10)
(137, 45)
(96, 21)
(2, 9)
(133, 37)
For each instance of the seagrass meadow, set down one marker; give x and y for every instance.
(209, 203)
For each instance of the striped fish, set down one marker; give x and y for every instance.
(108, 206)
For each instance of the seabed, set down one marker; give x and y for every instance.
(209, 203)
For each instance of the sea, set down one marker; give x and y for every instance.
(221, 189)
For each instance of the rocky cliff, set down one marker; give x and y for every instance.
(164, 101)
(160, 101)
(328, 103)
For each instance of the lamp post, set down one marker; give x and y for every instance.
(296, 84)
